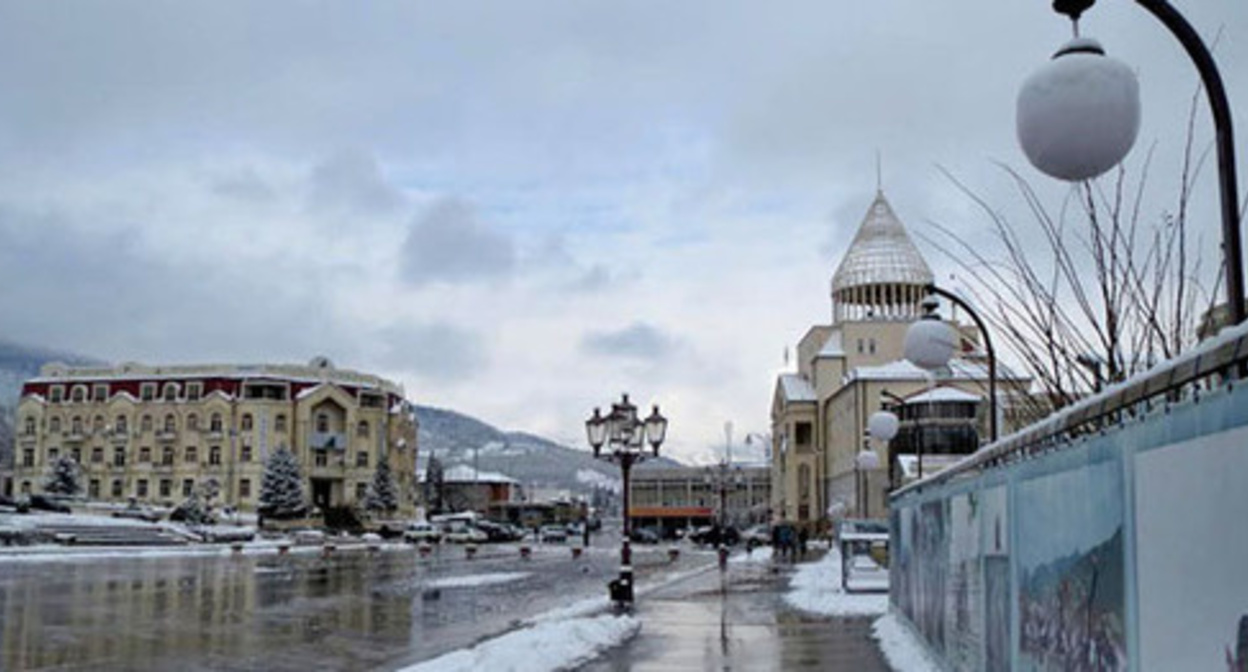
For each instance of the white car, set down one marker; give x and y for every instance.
(465, 535)
(418, 532)
(553, 533)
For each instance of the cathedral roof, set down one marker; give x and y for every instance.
(882, 253)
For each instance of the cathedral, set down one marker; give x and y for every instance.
(854, 366)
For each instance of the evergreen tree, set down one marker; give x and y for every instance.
(64, 479)
(382, 494)
(192, 511)
(281, 488)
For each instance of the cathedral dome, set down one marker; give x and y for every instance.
(882, 274)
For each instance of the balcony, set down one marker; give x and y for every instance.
(166, 436)
(328, 441)
(75, 436)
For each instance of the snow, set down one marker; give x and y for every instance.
(463, 473)
(550, 645)
(476, 580)
(943, 393)
(816, 588)
(594, 478)
(760, 555)
(900, 647)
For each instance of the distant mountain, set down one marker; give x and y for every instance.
(457, 439)
(18, 363)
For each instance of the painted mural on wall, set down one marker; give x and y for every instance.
(1071, 592)
(1192, 554)
(994, 513)
(931, 544)
(964, 600)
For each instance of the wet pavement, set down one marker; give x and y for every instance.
(352, 610)
(739, 621)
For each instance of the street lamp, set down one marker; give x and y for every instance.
(1079, 115)
(625, 437)
(866, 461)
(930, 344)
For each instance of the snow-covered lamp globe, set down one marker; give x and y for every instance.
(1079, 114)
(883, 425)
(930, 343)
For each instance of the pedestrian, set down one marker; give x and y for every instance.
(585, 533)
(802, 537)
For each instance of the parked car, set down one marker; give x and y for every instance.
(552, 534)
(138, 512)
(46, 503)
(465, 534)
(422, 531)
(499, 531)
(759, 535)
(644, 535)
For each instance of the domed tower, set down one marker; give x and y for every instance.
(883, 276)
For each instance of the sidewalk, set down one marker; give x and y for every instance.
(739, 621)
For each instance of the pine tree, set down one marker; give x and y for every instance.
(281, 488)
(63, 480)
(382, 493)
(192, 511)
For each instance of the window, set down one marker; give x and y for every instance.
(361, 491)
(322, 422)
(53, 453)
(166, 487)
(801, 433)
(214, 455)
(28, 427)
(194, 391)
(244, 488)
(245, 454)
(93, 488)
(860, 346)
(97, 425)
(279, 423)
(140, 489)
(214, 423)
(171, 392)
(75, 426)
(25, 487)
(76, 454)
(119, 457)
(99, 392)
(188, 486)
(119, 424)
(166, 456)
(28, 457)
(116, 487)
(56, 394)
(171, 423)
(361, 459)
(322, 458)
(145, 424)
(192, 455)
(97, 455)
(145, 454)
(192, 422)
(871, 346)
(247, 422)
(79, 394)
(54, 425)
(147, 391)
(362, 428)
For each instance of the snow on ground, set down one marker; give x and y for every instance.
(900, 647)
(762, 554)
(816, 587)
(474, 580)
(550, 645)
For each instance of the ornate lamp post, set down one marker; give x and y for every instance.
(1078, 116)
(930, 344)
(625, 436)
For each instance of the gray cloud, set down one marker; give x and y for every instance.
(352, 181)
(439, 351)
(639, 341)
(448, 243)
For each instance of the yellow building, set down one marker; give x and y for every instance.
(158, 433)
(854, 366)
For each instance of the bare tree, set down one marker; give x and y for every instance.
(1104, 295)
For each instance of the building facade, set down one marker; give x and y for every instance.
(157, 434)
(676, 498)
(854, 366)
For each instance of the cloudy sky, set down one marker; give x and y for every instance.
(519, 210)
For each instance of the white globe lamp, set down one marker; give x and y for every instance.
(930, 343)
(1079, 114)
(883, 425)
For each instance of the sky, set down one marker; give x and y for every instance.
(519, 211)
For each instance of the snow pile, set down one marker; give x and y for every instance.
(598, 480)
(550, 645)
(762, 554)
(899, 646)
(475, 580)
(816, 587)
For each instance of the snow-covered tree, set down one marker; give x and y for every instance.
(64, 478)
(382, 495)
(281, 488)
(192, 511)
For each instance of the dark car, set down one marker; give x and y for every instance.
(499, 531)
(644, 535)
(46, 503)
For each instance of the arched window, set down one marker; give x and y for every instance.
(279, 423)
(322, 422)
(79, 394)
(29, 426)
(171, 423)
(192, 422)
(247, 422)
(54, 425)
(146, 423)
(362, 428)
(119, 424)
(171, 392)
(97, 425)
(214, 423)
(75, 425)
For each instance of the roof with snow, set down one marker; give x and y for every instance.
(463, 473)
(902, 369)
(943, 393)
(882, 253)
(833, 346)
(796, 388)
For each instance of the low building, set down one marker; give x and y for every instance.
(157, 434)
(466, 489)
(668, 499)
